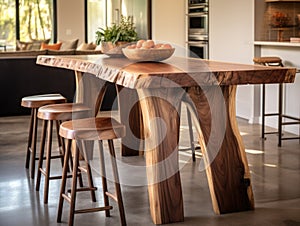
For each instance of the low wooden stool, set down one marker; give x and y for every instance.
(84, 131)
(275, 61)
(49, 114)
(34, 102)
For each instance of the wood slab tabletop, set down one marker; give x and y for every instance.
(176, 71)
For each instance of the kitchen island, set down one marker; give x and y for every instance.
(210, 88)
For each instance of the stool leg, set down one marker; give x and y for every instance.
(71, 160)
(191, 134)
(35, 127)
(64, 180)
(103, 176)
(280, 114)
(263, 111)
(88, 170)
(61, 143)
(74, 188)
(48, 161)
(29, 138)
(117, 182)
(41, 158)
(33, 143)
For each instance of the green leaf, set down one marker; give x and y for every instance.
(124, 31)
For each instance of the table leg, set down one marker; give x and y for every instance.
(227, 169)
(160, 109)
(131, 117)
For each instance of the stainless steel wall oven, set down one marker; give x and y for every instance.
(197, 18)
(198, 49)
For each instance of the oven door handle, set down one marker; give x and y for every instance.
(197, 14)
(198, 43)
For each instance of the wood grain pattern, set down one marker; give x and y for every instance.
(164, 186)
(100, 128)
(41, 100)
(227, 168)
(176, 69)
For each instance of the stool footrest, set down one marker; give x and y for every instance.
(290, 123)
(290, 138)
(111, 196)
(84, 189)
(83, 169)
(97, 209)
(271, 133)
(57, 156)
(67, 198)
(53, 177)
(291, 117)
(271, 114)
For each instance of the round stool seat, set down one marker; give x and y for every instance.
(63, 111)
(37, 101)
(267, 60)
(102, 128)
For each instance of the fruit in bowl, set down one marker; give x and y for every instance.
(147, 50)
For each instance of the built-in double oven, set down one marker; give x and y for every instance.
(197, 17)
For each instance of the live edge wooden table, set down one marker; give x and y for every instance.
(210, 88)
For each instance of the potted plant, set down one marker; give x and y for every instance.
(112, 38)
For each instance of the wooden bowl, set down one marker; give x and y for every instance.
(148, 54)
(113, 50)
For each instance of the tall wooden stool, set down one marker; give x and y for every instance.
(49, 114)
(275, 61)
(84, 131)
(34, 102)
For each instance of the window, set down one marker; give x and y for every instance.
(36, 19)
(7, 22)
(102, 13)
(27, 20)
(96, 18)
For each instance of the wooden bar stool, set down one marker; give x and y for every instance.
(84, 131)
(275, 61)
(49, 114)
(34, 102)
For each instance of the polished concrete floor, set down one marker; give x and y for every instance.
(275, 174)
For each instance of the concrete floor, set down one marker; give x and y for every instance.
(275, 176)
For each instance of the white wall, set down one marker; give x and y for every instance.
(70, 19)
(168, 21)
(231, 30)
(231, 38)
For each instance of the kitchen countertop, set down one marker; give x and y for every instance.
(274, 43)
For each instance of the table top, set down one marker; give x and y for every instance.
(176, 71)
